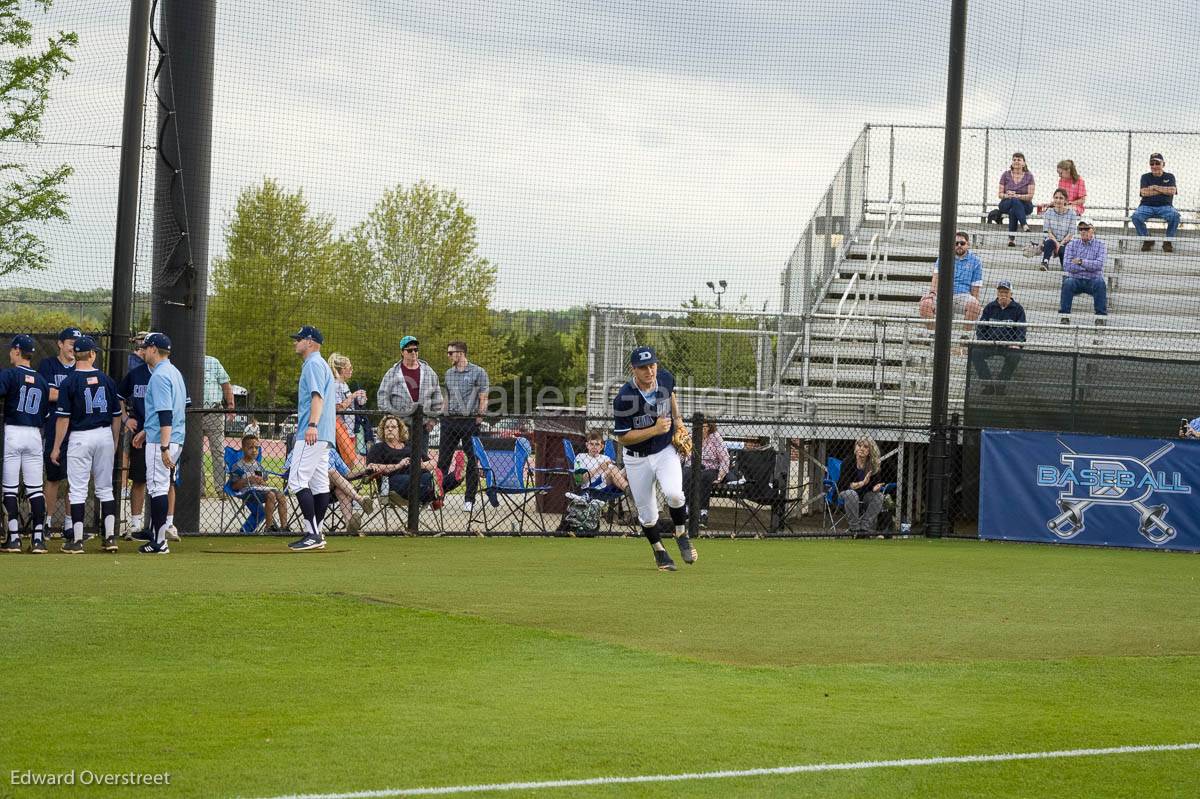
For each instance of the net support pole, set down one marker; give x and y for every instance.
(186, 35)
(936, 521)
(129, 185)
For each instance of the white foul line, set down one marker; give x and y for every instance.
(751, 772)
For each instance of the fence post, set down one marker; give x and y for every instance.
(1128, 177)
(417, 439)
(693, 486)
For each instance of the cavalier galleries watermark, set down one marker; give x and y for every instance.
(86, 777)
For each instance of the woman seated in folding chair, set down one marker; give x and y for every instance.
(860, 486)
(391, 458)
(248, 478)
(714, 467)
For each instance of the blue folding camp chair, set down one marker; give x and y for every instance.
(835, 507)
(250, 510)
(616, 508)
(503, 463)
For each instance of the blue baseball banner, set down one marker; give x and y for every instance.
(1086, 489)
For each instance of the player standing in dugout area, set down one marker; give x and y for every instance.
(88, 409)
(26, 406)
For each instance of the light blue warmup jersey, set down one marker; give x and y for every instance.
(165, 392)
(316, 378)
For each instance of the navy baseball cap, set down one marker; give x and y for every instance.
(309, 332)
(642, 356)
(1004, 284)
(160, 340)
(70, 332)
(85, 344)
(23, 342)
(404, 342)
(1158, 157)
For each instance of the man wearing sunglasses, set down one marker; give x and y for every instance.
(410, 382)
(1158, 201)
(968, 282)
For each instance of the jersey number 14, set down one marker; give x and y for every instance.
(95, 401)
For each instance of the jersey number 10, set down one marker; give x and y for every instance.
(30, 400)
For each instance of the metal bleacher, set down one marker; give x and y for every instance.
(848, 345)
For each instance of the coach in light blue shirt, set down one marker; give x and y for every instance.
(316, 378)
(166, 396)
(166, 400)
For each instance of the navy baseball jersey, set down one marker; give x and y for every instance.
(89, 399)
(132, 391)
(54, 373)
(634, 410)
(26, 397)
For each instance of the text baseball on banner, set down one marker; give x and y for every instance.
(1086, 489)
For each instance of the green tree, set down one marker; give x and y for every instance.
(28, 195)
(280, 270)
(693, 356)
(415, 257)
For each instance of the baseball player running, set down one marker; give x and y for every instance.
(26, 405)
(87, 404)
(308, 478)
(162, 438)
(645, 412)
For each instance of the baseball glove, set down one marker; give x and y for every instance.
(682, 441)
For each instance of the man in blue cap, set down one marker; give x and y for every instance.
(26, 405)
(88, 407)
(54, 371)
(162, 437)
(308, 478)
(1007, 338)
(645, 415)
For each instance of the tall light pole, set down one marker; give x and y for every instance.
(718, 291)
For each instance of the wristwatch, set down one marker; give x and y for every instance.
(165, 449)
(312, 424)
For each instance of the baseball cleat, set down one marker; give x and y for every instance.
(686, 550)
(110, 544)
(172, 533)
(12, 544)
(72, 547)
(141, 535)
(307, 543)
(37, 546)
(153, 548)
(663, 561)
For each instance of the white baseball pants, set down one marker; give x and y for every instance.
(643, 471)
(90, 453)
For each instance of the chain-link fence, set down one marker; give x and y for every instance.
(538, 475)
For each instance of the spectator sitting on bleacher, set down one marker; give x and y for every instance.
(1002, 309)
(391, 458)
(248, 477)
(714, 466)
(1158, 200)
(1070, 182)
(1058, 225)
(1084, 269)
(968, 280)
(596, 469)
(1016, 197)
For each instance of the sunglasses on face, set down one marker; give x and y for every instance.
(412, 349)
(1156, 163)
(960, 244)
(453, 352)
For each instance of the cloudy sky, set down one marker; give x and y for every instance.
(617, 151)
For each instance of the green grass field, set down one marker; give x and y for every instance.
(399, 663)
